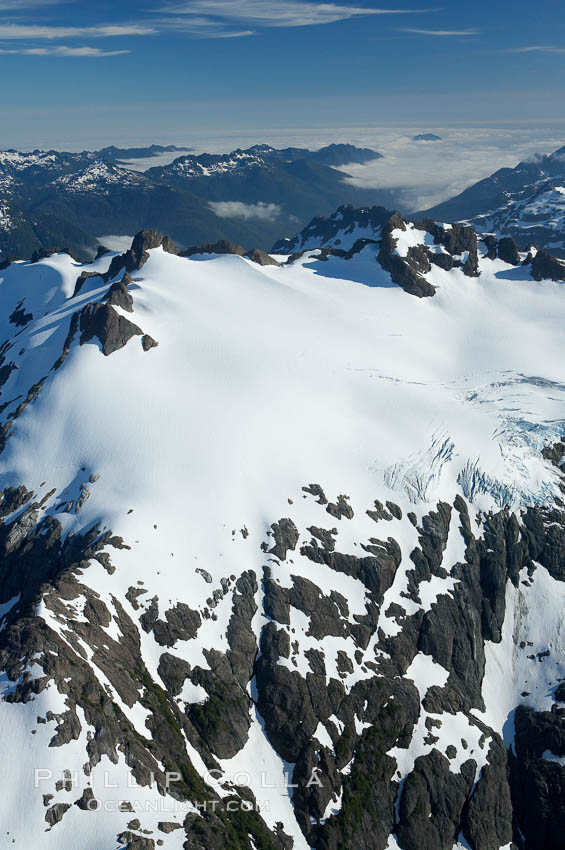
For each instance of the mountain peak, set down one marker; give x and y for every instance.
(426, 137)
(281, 523)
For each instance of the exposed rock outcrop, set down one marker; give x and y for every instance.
(408, 272)
(508, 251)
(102, 322)
(119, 295)
(547, 267)
(261, 257)
(221, 247)
(135, 258)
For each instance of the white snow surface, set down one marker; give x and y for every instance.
(97, 177)
(521, 675)
(408, 238)
(256, 363)
(266, 379)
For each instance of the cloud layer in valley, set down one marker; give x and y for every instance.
(426, 174)
(237, 209)
(116, 243)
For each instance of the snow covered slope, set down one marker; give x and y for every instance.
(340, 230)
(535, 216)
(99, 177)
(282, 548)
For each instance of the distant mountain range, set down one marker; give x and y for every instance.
(533, 216)
(119, 154)
(51, 200)
(526, 202)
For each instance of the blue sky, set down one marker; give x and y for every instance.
(119, 69)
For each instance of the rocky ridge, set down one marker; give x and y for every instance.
(409, 250)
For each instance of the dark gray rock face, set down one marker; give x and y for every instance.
(55, 814)
(223, 720)
(173, 671)
(221, 247)
(431, 803)
(148, 342)
(180, 623)
(458, 240)
(119, 295)
(490, 243)
(102, 322)
(537, 784)
(508, 251)
(261, 257)
(460, 251)
(444, 261)
(376, 570)
(328, 680)
(286, 537)
(547, 267)
(316, 490)
(40, 254)
(12, 499)
(168, 826)
(341, 508)
(6, 369)
(408, 272)
(145, 241)
(135, 258)
(487, 817)
(135, 842)
(546, 539)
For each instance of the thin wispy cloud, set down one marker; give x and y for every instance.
(221, 19)
(536, 48)
(12, 32)
(272, 13)
(62, 50)
(23, 5)
(236, 34)
(439, 33)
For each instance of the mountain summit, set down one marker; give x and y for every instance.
(282, 546)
